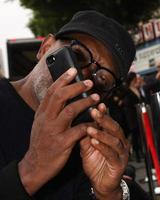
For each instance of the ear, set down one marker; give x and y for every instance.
(45, 45)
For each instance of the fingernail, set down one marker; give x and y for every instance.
(99, 115)
(103, 105)
(94, 141)
(72, 71)
(91, 130)
(88, 83)
(96, 97)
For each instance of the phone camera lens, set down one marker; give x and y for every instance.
(51, 59)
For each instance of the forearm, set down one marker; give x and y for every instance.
(31, 178)
(27, 178)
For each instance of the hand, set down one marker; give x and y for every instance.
(52, 137)
(105, 155)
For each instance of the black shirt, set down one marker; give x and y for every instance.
(16, 119)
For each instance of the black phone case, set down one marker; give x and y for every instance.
(60, 61)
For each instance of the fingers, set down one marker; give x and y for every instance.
(109, 139)
(56, 99)
(108, 124)
(74, 134)
(109, 146)
(70, 112)
(111, 156)
(102, 108)
(105, 138)
(77, 133)
(61, 96)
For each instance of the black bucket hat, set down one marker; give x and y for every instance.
(106, 30)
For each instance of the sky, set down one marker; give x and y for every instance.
(13, 24)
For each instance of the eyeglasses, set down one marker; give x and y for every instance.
(101, 76)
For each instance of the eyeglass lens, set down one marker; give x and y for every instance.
(100, 76)
(82, 55)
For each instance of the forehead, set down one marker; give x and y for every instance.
(100, 53)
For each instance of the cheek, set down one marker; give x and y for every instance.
(41, 86)
(46, 78)
(42, 82)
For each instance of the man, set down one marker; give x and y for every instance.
(131, 99)
(54, 158)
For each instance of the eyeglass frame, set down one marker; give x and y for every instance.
(118, 81)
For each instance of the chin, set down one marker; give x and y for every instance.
(41, 86)
(41, 94)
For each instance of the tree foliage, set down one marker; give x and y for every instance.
(50, 15)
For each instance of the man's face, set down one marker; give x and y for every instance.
(97, 61)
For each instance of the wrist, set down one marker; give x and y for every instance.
(116, 195)
(29, 176)
(120, 193)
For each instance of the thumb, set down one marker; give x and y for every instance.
(85, 146)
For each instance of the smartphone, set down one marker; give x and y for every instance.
(60, 61)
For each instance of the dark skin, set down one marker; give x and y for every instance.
(104, 149)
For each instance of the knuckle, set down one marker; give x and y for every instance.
(82, 84)
(58, 95)
(65, 76)
(88, 102)
(49, 92)
(70, 112)
(82, 128)
(117, 142)
(116, 127)
(79, 86)
(91, 100)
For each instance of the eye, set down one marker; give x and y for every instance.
(103, 80)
